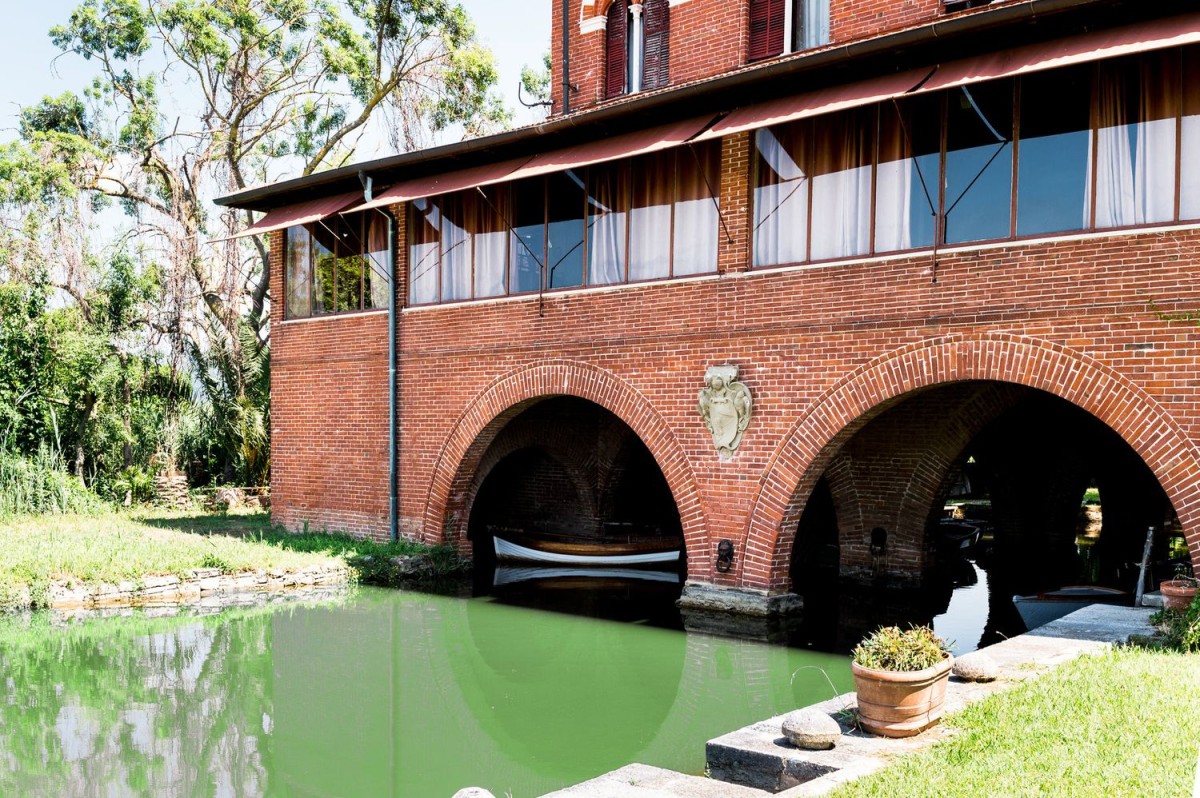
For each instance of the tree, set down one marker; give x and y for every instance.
(195, 98)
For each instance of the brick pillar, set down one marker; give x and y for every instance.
(733, 250)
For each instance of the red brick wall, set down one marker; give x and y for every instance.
(329, 425)
(822, 348)
(710, 37)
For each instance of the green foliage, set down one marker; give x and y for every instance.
(536, 82)
(890, 649)
(41, 484)
(1180, 628)
(26, 417)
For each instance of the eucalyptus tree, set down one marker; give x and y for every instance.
(198, 97)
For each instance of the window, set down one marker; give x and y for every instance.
(637, 46)
(1099, 146)
(336, 265)
(646, 218)
(787, 26)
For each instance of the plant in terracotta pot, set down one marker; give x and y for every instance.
(901, 677)
(1178, 592)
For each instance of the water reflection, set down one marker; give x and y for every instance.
(384, 694)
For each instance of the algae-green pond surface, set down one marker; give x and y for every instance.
(383, 693)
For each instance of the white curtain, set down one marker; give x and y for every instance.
(893, 205)
(491, 242)
(423, 252)
(841, 203)
(1135, 146)
(379, 271)
(606, 226)
(696, 215)
(1189, 191)
(456, 248)
(650, 217)
(815, 14)
(780, 203)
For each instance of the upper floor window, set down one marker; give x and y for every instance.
(637, 46)
(336, 265)
(645, 218)
(1092, 147)
(787, 26)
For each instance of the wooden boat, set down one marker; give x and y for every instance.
(1042, 608)
(575, 550)
(958, 535)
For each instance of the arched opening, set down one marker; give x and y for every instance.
(584, 504)
(976, 488)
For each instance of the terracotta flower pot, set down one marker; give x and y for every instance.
(901, 703)
(1177, 594)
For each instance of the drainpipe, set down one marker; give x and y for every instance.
(566, 57)
(393, 445)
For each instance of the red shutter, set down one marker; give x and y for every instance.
(616, 32)
(656, 57)
(766, 28)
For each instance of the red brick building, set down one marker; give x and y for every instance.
(942, 242)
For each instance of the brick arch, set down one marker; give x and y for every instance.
(797, 463)
(508, 396)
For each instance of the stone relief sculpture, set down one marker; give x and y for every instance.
(725, 406)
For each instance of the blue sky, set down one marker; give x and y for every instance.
(517, 31)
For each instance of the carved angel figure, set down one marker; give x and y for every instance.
(725, 406)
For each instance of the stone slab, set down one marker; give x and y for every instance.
(644, 781)
(760, 757)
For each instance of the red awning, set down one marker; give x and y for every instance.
(626, 145)
(1139, 38)
(443, 183)
(300, 213)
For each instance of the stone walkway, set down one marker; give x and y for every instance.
(760, 762)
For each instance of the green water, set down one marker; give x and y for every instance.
(381, 694)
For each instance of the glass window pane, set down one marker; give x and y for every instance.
(810, 26)
(350, 248)
(298, 255)
(979, 151)
(1054, 155)
(424, 246)
(528, 239)
(377, 274)
(458, 222)
(324, 268)
(565, 203)
(1137, 102)
(608, 203)
(906, 191)
(653, 178)
(1189, 171)
(696, 217)
(781, 187)
(491, 241)
(841, 191)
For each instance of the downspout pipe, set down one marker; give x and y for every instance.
(393, 441)
(566, 56)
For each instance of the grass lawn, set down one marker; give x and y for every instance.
(118, 546)
(1124, 723)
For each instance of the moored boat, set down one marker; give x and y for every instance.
(1042, 608)
(566, 550)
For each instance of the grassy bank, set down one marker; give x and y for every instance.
(1125, 723)
(114, 547)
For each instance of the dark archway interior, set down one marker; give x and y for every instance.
(1015, 462)
(567, 466)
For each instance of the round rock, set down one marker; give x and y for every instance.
(473, 792)
(976, 667)
(811, 729)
